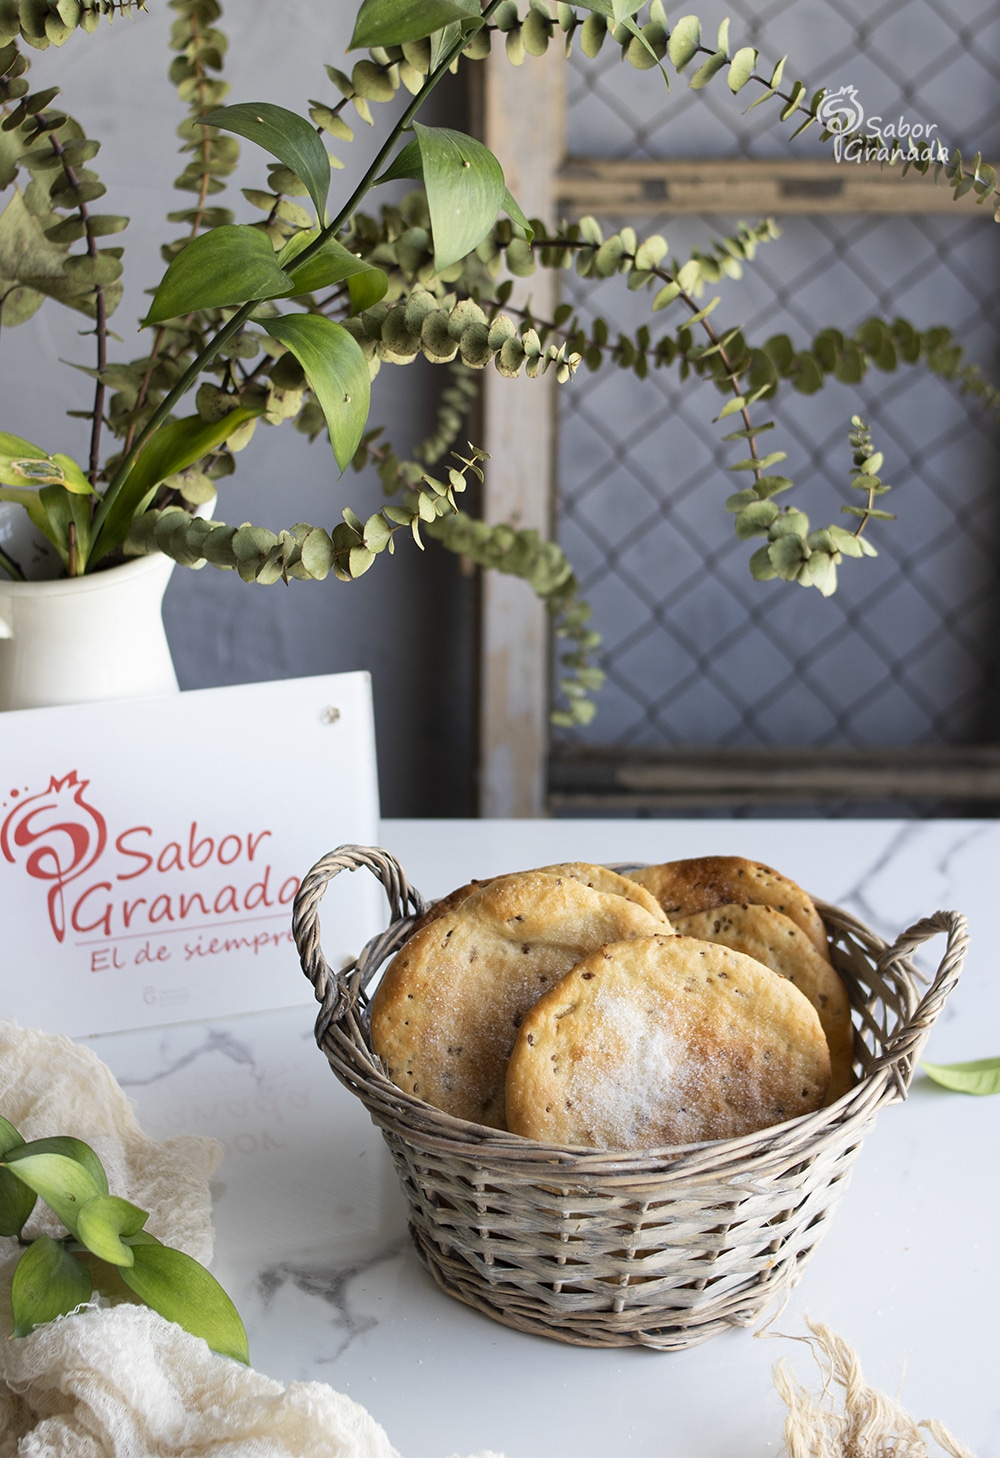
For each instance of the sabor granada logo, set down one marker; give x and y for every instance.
(106, 891)
(62, 835)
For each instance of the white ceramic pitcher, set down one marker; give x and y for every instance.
(75, 640)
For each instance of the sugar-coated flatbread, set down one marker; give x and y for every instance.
(666, 1040)
(774, 939)
(599, 878)
(446, 1012)
(684, 887)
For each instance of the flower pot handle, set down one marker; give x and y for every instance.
(905, 1045)
(335, 990)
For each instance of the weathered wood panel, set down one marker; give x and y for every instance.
(522, 124)
(586, 779)
(756, 186)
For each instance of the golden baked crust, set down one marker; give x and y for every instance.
(773, 939)
(668, 1040)
(599, 878)
(446, 1012)
(684, 887)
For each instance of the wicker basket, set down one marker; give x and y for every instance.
(661, 1248)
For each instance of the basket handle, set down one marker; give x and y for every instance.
(904, 1046)
(333, 989)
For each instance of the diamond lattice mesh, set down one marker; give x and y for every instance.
(696, 652)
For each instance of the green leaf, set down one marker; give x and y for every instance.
(63, 1184)
(464, 185)
(16, 1203)
(225, 266)
(31, 265)
(103, 1221)
(173, 447)
(27, 467)
(819, 570)
(16, 1200)
(48, 1282)
(9, 1137)
(685, 38)
(761, 567)
(755, 518)
(666, 295)
(982, 1076)
(465, 191)
(704, 73)
(285, 135)
(73, 1149)
(176, 1286)
(742, 68)
(393, 22)
(337, 372)
(331, 264)
(787, 555)
(522, 227)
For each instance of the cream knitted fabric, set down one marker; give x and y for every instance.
(118, 1381)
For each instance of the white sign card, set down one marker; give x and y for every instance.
(150, 850)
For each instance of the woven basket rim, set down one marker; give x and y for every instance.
(341, 1033)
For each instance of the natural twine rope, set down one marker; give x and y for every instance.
(871, 1424)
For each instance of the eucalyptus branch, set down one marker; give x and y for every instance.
(434, 77)
(236, 322)
(649, 45)
(100, 320)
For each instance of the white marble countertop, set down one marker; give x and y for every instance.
(311, 1230)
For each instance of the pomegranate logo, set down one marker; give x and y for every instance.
(58, 836)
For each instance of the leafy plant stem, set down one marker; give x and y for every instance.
(402, 125)
(140, 398)
(190, 375)
(695, 308)
(202, 81)
(12, 568)
(100, 322)
(236, 323)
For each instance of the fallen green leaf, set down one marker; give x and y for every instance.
(981, 1076)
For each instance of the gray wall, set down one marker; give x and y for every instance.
(410, 621)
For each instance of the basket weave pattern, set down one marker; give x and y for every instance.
(660, 1248)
